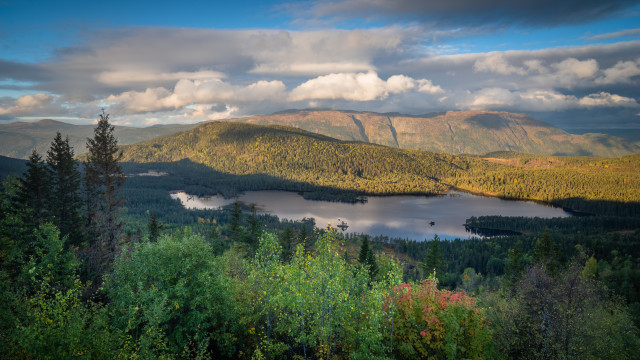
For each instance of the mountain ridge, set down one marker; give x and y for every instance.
(18, 139)
(455, 132)
(474, 132)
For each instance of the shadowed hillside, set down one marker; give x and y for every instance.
(294, 155)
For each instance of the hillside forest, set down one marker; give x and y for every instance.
(98, 261)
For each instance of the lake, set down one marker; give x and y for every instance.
(413, 217)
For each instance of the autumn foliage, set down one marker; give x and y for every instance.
(429, 323)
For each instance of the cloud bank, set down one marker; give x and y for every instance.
(184, 75)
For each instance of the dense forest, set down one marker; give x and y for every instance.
(96, 266)
(274, 157)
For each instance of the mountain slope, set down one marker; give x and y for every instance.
(454, 132)
(296, 155)
(314, 162)
(18, 139)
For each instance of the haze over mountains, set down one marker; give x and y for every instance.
(18, 139)
(454, 132)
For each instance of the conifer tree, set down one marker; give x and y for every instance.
(103, 180)
(364, 250)
(154, 228)
(235, 221)
(286, 243)
(65, 202)
(366, 257)
(33, 192)
(433, 261)
(516, 264)
(254, 227)
(546, 252)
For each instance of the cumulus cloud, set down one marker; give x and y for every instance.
(359, 87)
(495, 62)
(30, 104)
(186, 75)
(188, 92)
(621, 73)
(605, 99)
(540, 100)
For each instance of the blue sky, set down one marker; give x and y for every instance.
(573, 63)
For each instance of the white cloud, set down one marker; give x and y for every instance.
(348, 86)
(31, 104)
(427, 87)
(187, 92)
(605, 99)
(495, 62)
(400, 84)
(540, 100)
(620, 73)
(574, 68)
(359, 87)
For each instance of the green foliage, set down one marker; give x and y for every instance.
(546, 252)
(154, 228)
(103, 179)
(33, 193)
(434, 261)
(317, 304)
(171, 298)
(59, 325)
(65, 204)
(367, 258)
(564, 316)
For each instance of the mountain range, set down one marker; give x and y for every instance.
(453, 132)
(18, 139)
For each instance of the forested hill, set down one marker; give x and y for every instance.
(18, 139)
(297, 156)
(453, 132)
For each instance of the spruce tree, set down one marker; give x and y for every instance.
(34, 192)
(286, 242)
(154, 228)
(235, 222)
(364, 250)
(103, 180)
(65, 202)
(433, 261)
(366, 257)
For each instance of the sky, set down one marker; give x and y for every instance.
(575, 64)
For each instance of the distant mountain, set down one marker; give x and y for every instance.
(453, 132)
(18, 139)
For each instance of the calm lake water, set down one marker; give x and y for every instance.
(413, 217)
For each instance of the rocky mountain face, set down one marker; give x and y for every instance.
(454, 132)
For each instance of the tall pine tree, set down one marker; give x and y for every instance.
(65, 202)
(434, 260)
(33, 192)
(103, 180)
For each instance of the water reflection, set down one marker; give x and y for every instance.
(413, 217)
